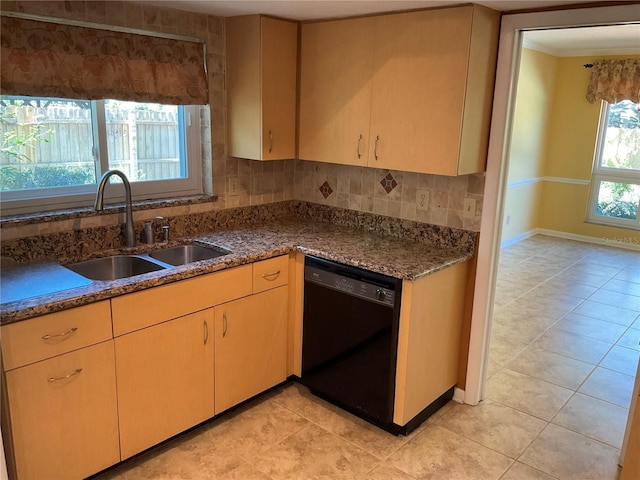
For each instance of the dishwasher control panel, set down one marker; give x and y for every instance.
(351, 286)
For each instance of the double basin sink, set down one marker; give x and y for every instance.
(123, 266)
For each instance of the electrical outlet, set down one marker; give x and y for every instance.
(422, 200)
(508, 220)
(469, 208)
(233, 186)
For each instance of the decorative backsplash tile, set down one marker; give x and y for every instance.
(388, 183)
(326, 189)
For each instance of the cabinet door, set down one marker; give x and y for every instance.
(335, 90)
(251, 346)
(165, 380)
(262, 55)
(420, 73)
(64, 416)
(279, 81)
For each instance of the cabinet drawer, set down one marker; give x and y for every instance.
(149, 307)
(43, 337)
(271, 273)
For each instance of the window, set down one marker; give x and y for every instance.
(54, 150)
(615, 182)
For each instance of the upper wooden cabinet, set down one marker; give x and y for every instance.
(335, 90)
(419, 85)
(262, 54)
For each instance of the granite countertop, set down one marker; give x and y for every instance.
(401, 258)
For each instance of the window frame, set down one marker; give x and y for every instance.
(601, 174)
(61, 198)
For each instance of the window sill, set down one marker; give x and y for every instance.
(72, 213)
(613, 224)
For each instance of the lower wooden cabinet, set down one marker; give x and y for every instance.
(64, 415)
(165, 380)
(251, 346)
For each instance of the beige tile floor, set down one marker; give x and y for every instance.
(562, 359)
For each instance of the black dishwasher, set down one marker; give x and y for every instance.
(350, 338)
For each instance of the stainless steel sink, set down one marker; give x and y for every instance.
(183, 254)
(115, 267)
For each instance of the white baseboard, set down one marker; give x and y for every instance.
(518, 238)
(458, 395)
(609, 242)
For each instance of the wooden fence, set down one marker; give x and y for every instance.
(143, 144)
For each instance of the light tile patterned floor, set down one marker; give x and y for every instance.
(563, 355)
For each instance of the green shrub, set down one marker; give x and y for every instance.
(618, 209)
(27, 177)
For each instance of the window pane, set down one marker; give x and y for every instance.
(618, 200)
(144, 140)
(46, 142)
(621, 148)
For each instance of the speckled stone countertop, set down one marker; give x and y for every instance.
(402, 258)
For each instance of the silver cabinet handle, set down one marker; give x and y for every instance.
(57, 335)
(375, 147)
(206, 332)
(271, 276)
(358, 149)
(59, 379)
(270, 141)
(224, 325)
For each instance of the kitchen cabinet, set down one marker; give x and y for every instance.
(150, 307)
(59, 394)
(261, 63)
(430, 83)
(335, 90)
(429, 337)
(251, 346)
(270, 273)
(63, 414)
(164, 348)
(165, 380)
(54, 334)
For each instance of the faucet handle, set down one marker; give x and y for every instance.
(149, 231)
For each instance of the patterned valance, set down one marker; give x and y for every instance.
(43, 59)
(614, 81)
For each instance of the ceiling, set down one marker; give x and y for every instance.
(622, 39)
(322, 9)
(577, 42)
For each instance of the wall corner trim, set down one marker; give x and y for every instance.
(458, 395)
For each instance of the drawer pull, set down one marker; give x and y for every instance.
(206, 332)
(224, 325)
(58, 335)
(271, 276)
(66, 377)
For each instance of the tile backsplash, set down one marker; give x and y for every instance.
(391, 192)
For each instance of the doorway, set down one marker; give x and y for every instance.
(512, 31)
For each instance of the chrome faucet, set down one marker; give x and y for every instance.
(129, 232)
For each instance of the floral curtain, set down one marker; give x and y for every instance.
(614, 81)
(54, 60)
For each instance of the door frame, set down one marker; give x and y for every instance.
(509, 50)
